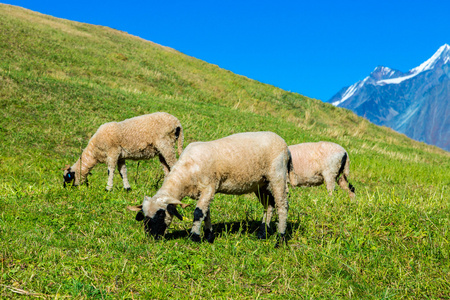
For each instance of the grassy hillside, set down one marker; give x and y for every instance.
(60, 80)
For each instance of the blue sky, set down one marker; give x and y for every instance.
(310, 47)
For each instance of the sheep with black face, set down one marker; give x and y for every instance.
(138, 138)
(321, 162)
(252, 162)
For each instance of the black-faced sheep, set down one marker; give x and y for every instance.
(138, 138)
(253, 162)
(316, 163)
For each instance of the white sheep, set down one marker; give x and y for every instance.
(316, 163)
(252, 162)
(141, 137)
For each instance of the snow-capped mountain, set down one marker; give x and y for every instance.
(416, 103)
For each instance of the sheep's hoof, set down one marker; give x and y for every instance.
(262, 234)
(195, 238)
(209, 236)
(128, 189)
(281, 239)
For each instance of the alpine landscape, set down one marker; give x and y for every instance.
(60, 80)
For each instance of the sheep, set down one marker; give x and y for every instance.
(137, 138)
(251, 162)
(316, 163)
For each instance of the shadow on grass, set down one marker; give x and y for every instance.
(244, 227)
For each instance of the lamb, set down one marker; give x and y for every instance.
(252, 162)
(138, 138)
(316, 163)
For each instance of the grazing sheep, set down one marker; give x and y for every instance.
(252, 162)
(141, 137)
(316, 163)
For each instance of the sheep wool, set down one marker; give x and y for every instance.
(252, 162)
(137, 138)
(321, 162)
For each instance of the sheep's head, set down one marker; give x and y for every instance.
(69, 176)
(157, 214)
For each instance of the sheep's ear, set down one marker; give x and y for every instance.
(172, 209)
(140, 215)
(135, 208)
(66, 167)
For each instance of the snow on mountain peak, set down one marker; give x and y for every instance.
(381, 72)
(350, 91)
(384, 75)
(442, 53)
(381, 69)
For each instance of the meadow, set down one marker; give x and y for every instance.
(60, 80)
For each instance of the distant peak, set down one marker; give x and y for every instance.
(382, 72)
(442, 52)
(441, 56)
(381, 69)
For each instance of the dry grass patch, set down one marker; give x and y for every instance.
(37, 18)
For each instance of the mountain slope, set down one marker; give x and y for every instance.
(416, 103)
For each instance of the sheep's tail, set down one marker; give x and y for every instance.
(345, 170)
(290, 167)
(179, 135)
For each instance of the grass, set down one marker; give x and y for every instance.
(60, 80)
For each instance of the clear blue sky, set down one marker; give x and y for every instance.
(310, 47)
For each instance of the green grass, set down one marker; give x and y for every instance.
(60, 80)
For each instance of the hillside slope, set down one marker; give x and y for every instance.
(57, 50)
(60, 80)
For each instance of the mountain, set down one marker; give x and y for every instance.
(416, 103)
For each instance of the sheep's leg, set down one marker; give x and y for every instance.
(111, 169)
(167, 155)
(281, 202)
(201, 213)
(164, 164)
(111, 161)
(330, 180)
(346, 186)
(121, 166)
(209, 234)
(267, 200)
